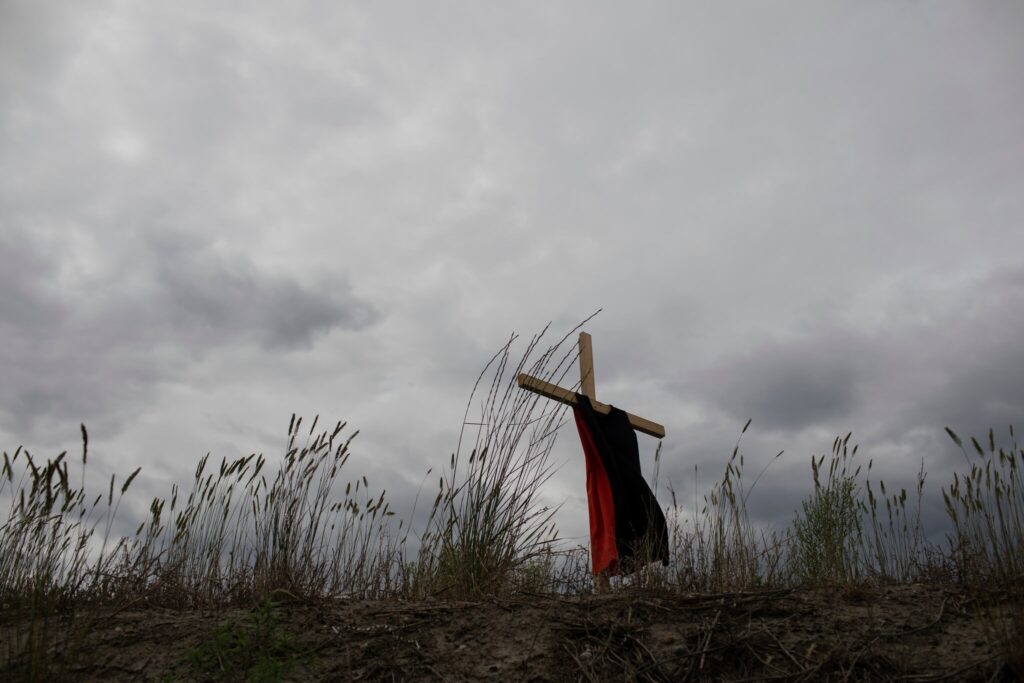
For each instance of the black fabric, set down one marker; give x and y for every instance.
(641, 534)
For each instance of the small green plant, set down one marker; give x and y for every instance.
(827, 534)
(256, 649)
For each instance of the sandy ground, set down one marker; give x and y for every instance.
(910, 633)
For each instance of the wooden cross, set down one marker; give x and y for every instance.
(587, 388)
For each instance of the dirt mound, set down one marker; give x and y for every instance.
(917, 633)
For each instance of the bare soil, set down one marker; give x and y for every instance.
(864, 633)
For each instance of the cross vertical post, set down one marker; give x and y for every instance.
(588, 386)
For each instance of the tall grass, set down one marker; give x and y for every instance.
(47, 544)
(239, 535)
(894, 547)
(236, 535)
(986, 507)
(718, 548)
(245, 528)
(488, 530)
(50, 562)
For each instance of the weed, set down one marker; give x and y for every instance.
(827, 533)
(255, 649)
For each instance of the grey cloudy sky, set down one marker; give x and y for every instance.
(213, 215)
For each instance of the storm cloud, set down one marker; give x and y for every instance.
(215, 216)
(140, 314)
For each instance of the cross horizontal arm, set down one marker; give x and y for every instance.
(553, 391)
